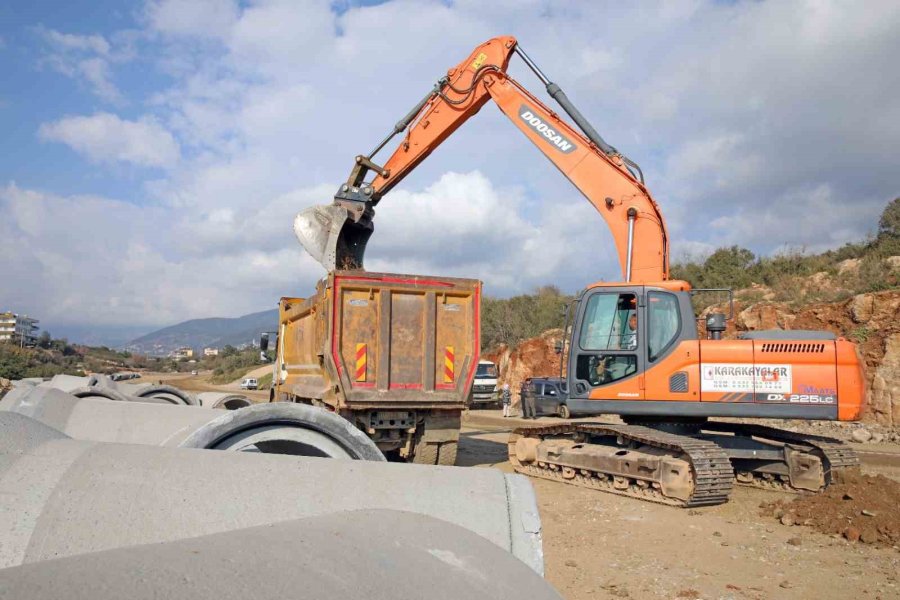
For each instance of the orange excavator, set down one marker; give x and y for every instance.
(634, 349)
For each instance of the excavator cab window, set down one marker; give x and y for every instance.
(663, 323)
(610, 323)
(608, 339)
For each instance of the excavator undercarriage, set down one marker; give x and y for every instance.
(686, 464)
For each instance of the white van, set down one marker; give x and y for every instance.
(249, 384)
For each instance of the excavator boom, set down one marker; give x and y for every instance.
(337, 235)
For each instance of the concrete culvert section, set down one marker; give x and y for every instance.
(108, 393)
(165, 392)
(223, 400)
(285, 428)
(64, 497)
(390, 554)
(278, 428)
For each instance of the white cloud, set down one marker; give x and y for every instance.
(812, 219)
(85, 58)
(198, 18)
(104, 137)
(757, 124)
(68, 41)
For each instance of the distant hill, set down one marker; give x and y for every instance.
(205, 333)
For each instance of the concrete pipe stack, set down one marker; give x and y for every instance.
(276, 428)
(104, 387)
(159, 519)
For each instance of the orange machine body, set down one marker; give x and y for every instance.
(763, 378)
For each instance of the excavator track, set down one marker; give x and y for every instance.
(837, 457)
(711, 473)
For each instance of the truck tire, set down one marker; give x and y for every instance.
(447, 455)
(426, 453)
(563, 411)
(432, 435)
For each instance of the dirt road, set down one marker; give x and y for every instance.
(200, 383)
(599, 545)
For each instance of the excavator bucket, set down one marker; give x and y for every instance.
(332, 237)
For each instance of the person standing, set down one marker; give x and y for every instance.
(506, 399)
(528, 407)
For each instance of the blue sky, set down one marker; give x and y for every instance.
(156, 152)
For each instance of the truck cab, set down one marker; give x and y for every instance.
(484, 388)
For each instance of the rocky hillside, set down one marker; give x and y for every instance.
(535, 357)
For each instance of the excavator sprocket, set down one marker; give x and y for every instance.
(634, 461)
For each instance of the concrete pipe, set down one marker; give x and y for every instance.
(166, 392)
(276, 428)
(67, 383)
(222, 400)
(63, 497)
(383, 555)
(109, 393)
(102, 386)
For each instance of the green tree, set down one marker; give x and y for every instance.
(889, 224)
(728, 268)
(511, 320)
(44, 340)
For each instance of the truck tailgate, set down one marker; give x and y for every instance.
(409, 340)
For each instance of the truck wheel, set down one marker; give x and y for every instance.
(447, 455)
(563, 411)
(426, 454)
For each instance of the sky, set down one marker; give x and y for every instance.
(155, 153)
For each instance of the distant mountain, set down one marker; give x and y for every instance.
(206, 333)
(112, 336)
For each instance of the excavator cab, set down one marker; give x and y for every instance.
(619, 332)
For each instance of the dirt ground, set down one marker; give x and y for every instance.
(599, 545)
(200, 383)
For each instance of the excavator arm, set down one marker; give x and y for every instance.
(337, 235)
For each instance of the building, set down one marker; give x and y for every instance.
(181, 353)
(20, 329)
(210, 352)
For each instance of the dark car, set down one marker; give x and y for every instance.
(550, 395)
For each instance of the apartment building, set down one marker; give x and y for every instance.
(20, 329)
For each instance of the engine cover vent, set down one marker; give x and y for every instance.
(678, 382)
(793, 347)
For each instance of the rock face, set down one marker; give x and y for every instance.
(535, 357)
(764, 315)
(871, 320)
(884, 391)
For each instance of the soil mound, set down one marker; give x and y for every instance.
(859, 507)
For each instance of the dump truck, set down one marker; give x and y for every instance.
(393, 354)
